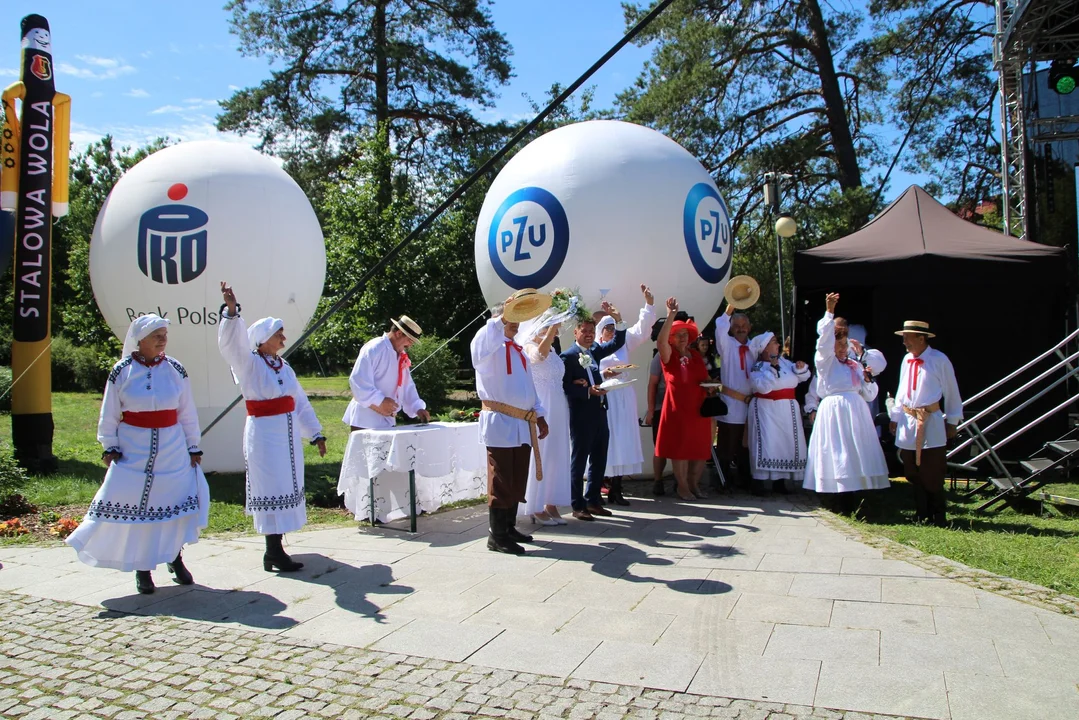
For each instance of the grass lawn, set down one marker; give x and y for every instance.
(1026, 546)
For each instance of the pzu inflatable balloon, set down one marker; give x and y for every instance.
(175, 226)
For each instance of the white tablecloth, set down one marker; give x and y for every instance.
(449, 461)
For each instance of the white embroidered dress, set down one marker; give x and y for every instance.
(273, 449)
(844, 451)
(624, 455)
(777, 445)
(554, 489)
(152, 501)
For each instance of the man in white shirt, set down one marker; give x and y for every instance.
(511, 420)
(927, 413)
(381, 380)
(732, 344)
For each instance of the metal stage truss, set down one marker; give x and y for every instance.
(1028, 32)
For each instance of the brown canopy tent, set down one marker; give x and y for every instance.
(994, 301)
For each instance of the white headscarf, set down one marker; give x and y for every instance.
(529, 329)
(263, 330)
(604, 322)
(139, 329)
(757, 344)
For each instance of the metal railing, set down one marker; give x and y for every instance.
(1064, 369)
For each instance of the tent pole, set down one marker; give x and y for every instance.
(782, 306)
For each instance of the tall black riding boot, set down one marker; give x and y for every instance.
(616, 495)
(177, 568)
(144, 582)
(511, 525)
(938, 509)
(499, 540)
(277, 557)
(921, 505)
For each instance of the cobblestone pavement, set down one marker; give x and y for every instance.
(61, 661)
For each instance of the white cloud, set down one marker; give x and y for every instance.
(135, 136)
(137, 93)
(9, 72)
(146, 54)
(234, 88)
(167, 109)
(97, 94)
(190, 106)
(96, 68)
(200, 102)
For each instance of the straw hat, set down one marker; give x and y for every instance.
(742, 292)
(409, 327)
(915, 326)
(526, 304)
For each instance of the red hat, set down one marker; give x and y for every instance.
(685, 325)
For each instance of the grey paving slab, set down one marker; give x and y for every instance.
(434, 603)
(798, 642)
(1061, 629)
(782, 609)
(342, 627)
(916, 692)
(882, 616)
(800, 564)
(660, 667)
(871, 566)
(841, 547)
(1052, 662)
(639, 627)
(928, 591)
(901, 650)
(437, 639)
(540, 653)
(72, 586)
(533, 617)
(709, 633)
(516, 588)
(708, 601)
(836, 587)
(722, 560)
(766, 545)
(984, 697)
(14, 576)
(767, 679)
(1018, 626)
(595, 593)
(769, 583)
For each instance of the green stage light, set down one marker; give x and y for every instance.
(1062, 76)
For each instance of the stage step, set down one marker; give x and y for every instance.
(1034, 465)
(1064, 447)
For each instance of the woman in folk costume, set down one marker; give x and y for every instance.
(154, 499)
(777, 445)
(538, 338)
(278, 415)
(624, 456)
(684, 434)
(844, 453)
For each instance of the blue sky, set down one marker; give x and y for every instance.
(142, 69)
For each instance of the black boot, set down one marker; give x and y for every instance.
(498, 540)
(921, 505)
(144, 582)
(938, 509)
(511, 526)
(277, 557)
(616, 495)
(176, 567)
(657, 488)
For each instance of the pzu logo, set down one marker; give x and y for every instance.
(172, 241)
(528, 238)
(706, 226)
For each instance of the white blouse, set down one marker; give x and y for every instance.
(835, 377)
(133, 387)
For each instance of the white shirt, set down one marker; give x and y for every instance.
(586, 352)
(833, 376)
(736, 364)
(924, 380)
(511, 385)
(373, 379)
(133, 387)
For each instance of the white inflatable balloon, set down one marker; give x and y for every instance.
(175, 226)
(604, 206)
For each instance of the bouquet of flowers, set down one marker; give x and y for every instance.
(568, 302)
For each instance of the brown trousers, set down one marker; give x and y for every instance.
(930, 474)
(507, 475)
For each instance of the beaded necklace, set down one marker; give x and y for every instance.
(148, 363)
(275, 363)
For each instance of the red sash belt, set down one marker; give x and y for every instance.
(786, 394)
(150, 419)
(265, 408)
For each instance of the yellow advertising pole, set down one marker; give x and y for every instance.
(34, 185)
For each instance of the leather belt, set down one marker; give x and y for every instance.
(519, 414)
(920, 415)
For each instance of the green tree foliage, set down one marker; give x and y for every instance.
(351, 68)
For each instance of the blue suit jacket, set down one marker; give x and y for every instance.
(578, 396)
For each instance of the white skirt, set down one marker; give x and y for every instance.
(777, 445)
(844, 451)
(273, 453)
(554, 489)
(624, 456)
(151, 504)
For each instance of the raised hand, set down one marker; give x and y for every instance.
(611, 310)
(672, 305)
(649, 298)
(799, 366)
(830, 301)
(229, 297)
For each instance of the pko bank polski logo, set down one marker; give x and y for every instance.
(528, 238)
(707, 229)
(172, 240)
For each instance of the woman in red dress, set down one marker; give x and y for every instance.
(684, 435)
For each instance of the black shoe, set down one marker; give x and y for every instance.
(657, 488)
(177, 568)
(504, 545)
(517, 536)
(144, 582)
(276, 557)
(616, 495)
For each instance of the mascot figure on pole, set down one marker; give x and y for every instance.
(33, 185)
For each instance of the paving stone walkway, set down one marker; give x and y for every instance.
(724, 608)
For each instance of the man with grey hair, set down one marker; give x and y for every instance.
(732, 343)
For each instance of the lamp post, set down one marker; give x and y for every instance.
(785, 227)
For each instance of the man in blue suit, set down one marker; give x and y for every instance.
(588, 412)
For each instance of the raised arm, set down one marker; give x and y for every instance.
(490, 339)
(663, 341)
(232, 332)
(636, 335)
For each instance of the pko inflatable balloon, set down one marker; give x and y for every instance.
(604, 206)
(175, 226)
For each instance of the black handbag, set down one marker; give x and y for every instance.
(713, 407)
